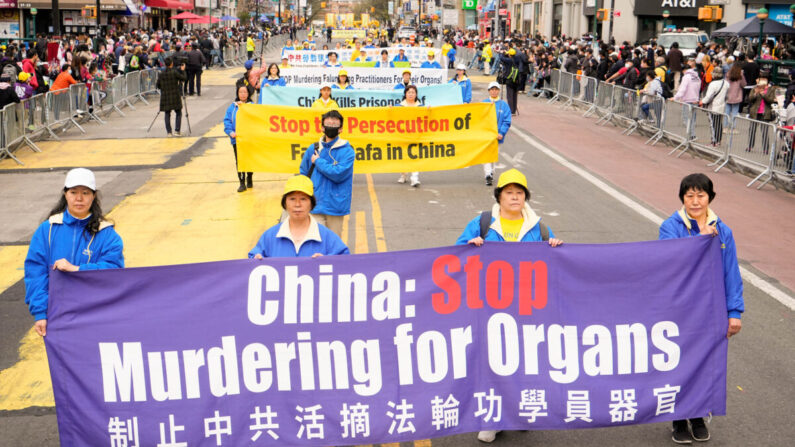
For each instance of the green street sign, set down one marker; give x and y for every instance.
(469, 4)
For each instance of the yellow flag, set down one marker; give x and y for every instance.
(385, 139)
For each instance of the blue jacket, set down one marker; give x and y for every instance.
(433, 64)
(400, 86)
(273, 82)
(63, 236)
(387, 64)
(451, 55)
(530, 232)
(466, 89)
(397, 58)
(503, 117)
(230, 121)
(329, 64)
(347, 87)
(680, 225)
(332, 176)
(276, 242)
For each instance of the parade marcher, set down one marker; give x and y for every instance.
(384, 61)
(406, 80)
(342, 81)
(329, 163)
(171, 95)
(463, 81)
(362, 57)
(274, 77)
(285, 63)
(75, 237)
(410, 99)
(401, 56)
(300, 234)
(244, 95)
(430, 63)
(693, 219)
(332, 60)
(325, 101)
(503, 124)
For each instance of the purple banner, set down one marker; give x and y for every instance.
(389, 347)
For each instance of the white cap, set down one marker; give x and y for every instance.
(461, 67)
(80, 177)
(325, 85)
(493, 84)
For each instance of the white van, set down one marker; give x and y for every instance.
(688, 40)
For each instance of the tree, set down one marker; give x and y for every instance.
(244, 16)
(378, 9)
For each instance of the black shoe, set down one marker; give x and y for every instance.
(681, 434)
(489, 180)
(250, 181)
(242, 187)
(699, 430)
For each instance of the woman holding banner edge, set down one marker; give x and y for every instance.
(244, 95)
(299, 235)
(274, 77)
(75, 237)
(463, 81)
(696, 218)
(325, 101)
(410, 100)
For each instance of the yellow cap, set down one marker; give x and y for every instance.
(485, 40)
(406, 70)
(342, 73)
(23, 76)
(511, 52)
(431, 53)
(512, 176)
(300, 183)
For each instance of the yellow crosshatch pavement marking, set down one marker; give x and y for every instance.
(12, 259)
(92, 153)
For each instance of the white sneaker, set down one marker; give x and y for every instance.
(487, 435)
(402, 178)
(415, 183)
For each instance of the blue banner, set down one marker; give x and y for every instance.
(434, 95)
(389, 347)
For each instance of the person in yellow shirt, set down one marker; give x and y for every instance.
(445, 48)
(250, 46)
(325, 101)
(486, 55)
(284, 63)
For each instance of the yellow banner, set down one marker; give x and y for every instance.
(385, 139)
(348, 33)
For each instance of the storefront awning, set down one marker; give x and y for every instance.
(105, 5)
(182, 5)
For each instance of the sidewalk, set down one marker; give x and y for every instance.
(762, 220)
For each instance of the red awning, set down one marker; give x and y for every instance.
(185, 5)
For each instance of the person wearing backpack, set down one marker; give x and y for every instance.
(510, 63)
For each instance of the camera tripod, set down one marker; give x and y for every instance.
(184, 105)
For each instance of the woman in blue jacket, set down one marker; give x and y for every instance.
(274, 78)
(510, 220)
(503, 124)
(343, 83)
(244, 94)
(299, 235)
(693, 219)
(75, 237)
(463, 81)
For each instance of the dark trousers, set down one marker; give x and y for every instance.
(177, 120)
(194, 78)
(716, 123)
(241, 176)
(510, 96)
(250, 54)
(752, 138)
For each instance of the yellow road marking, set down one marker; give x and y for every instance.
(27, 383)
(378, 226)
(422, 443)
(361, 234)
(344, 233)
(90, 153)
(12, 259)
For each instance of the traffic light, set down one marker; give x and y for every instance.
(372, 9)
(89, 12)
(710, 13)
(602, 15)
(322, 5)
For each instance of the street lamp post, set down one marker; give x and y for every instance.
(666, 14)
(762, 16)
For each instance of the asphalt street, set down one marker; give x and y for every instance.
(391, 216)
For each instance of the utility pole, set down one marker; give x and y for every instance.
(256, 14)
(56, 18)
(612, 19)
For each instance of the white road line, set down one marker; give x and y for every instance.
(761, 284)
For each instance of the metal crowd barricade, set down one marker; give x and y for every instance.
(13, 121)
(79, 94)
(61, 111)
(101, 98)
(118, 88)
(652, 116)
(572, 87)
(587, 93)
(625, 108)
(564, 87)
(149, 81)
(754, 143)
(604, 100)
(676, 125)
(707, 131)
(35, 115)
(784, 163)
(553, 86)
(133, 81)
